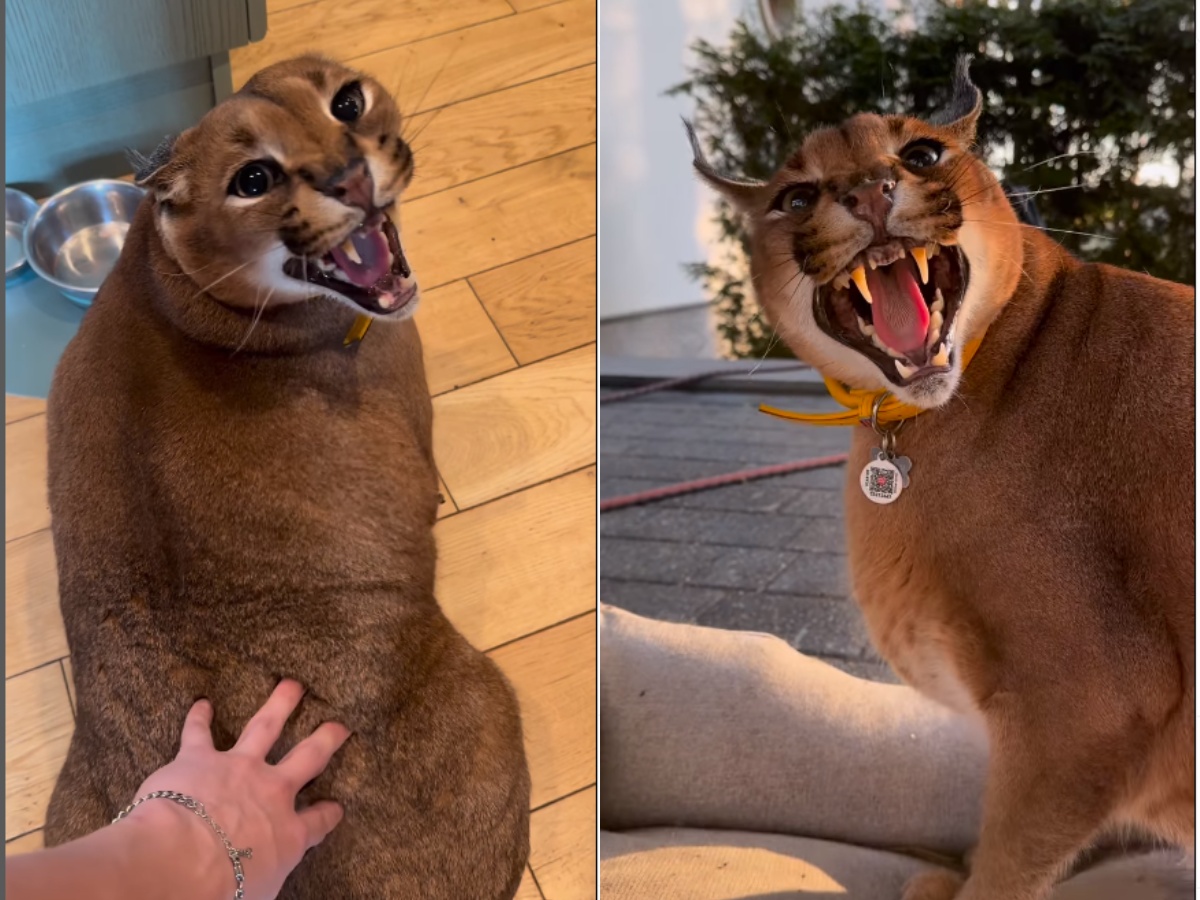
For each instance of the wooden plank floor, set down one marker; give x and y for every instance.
(500, 226)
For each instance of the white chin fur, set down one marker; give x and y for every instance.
(268, 276)
(934, 390)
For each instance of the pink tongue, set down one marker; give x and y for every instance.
(901, 318)
(372, 249)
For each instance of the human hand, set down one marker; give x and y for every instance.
(253, 802)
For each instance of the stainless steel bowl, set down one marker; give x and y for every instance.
(18, 210)
(74, 240)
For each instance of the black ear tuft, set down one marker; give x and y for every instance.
(966, 101)
(145, 167)
(742, 194)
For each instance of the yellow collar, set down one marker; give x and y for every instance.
(861, 403)
(357, 331)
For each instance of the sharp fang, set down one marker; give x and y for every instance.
(935, 328)
(865, 327)
(942, 357)
(859, 276)
(348, 249)
(906, 372)
(871, 263)
(939, 303)
(918, 253)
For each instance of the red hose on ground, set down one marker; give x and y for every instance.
(704, 484)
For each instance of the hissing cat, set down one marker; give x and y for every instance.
(237, 497)
(1039, 572)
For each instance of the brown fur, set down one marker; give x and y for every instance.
(224, 519)
(1038, 574)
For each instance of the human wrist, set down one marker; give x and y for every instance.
(178, 856)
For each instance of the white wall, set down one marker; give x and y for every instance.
(650, 203)
(654, 215)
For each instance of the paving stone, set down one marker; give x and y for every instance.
(747, 568)
(630, 522)
(614, 486)
(739, 454)
(821, 534)
(722, 527)
(765, 555)
(813, 575)
(734, 456)
(667, 602)
(616, 446)
(662, 562)
(767, 495)
(813, 625)
(816, 502)
(662, 471)
(830, 478)
(653, 430)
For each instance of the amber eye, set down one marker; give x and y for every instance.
(256, 178)
(922, 154)
(798, 198)
(348, 103)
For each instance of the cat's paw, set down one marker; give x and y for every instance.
(936, 884)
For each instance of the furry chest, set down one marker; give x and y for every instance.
(923, 653)
(907, 615)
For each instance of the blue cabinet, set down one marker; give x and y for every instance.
(86, 78)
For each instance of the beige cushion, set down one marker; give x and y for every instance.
(666, 863)
(691, 864)
(702, 727)
(735, 768)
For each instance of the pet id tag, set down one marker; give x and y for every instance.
(886, 475)
(882, 480)
(903, 463)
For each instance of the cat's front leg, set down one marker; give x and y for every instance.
(934, 885)
(1055, 777)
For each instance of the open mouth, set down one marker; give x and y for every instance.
(896, 304)
(368, 267)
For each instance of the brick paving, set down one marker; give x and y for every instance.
(764, 556)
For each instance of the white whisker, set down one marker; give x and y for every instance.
(254, 321)
(1103, 237)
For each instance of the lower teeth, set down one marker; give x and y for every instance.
(884, 347)
(935, 328)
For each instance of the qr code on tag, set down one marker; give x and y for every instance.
(881, 482)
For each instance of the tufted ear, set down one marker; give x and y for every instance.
(966, 103)
(145, 168)
(744, 195)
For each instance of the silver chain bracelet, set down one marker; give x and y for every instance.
(235, 856)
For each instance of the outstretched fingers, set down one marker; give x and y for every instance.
(197, 728)
(264, 729)
(318, 820)
(309, 758)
